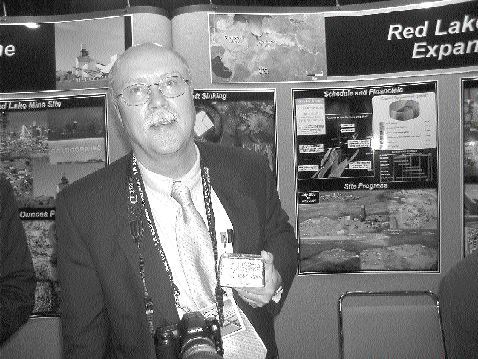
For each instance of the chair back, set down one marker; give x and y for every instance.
(390, 324)
(39, 338)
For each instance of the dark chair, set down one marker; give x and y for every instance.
(39, 338)
(390, 324)
(458, 294)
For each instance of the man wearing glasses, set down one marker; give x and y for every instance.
(131, 259)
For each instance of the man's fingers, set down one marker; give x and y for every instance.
(267, 256)
(253, 299)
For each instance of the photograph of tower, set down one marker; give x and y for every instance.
(86, 50)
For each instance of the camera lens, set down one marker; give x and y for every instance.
(200, 348)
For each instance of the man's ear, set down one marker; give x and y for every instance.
(115, 100)
(118, 114)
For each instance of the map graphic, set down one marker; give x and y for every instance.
(266, 48)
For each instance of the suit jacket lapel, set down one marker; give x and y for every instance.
(119, 205)
(240, 208)
(157, 280)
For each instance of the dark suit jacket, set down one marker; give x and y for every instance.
(102, 295)
(17, 277)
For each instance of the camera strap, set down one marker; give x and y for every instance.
(139, 213)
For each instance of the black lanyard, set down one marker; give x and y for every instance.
(139, 211)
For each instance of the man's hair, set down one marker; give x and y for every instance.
(114, 69)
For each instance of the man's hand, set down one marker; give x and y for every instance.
(258, 297)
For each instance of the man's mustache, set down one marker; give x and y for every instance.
(160, 116)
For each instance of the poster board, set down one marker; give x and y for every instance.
(367, 178)
(47, 142)
(469, 105)
(243, 118)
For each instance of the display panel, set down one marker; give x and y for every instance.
(238, 118)
(367, 197)
(48, 142)
(470, 163)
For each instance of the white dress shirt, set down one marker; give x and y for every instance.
(164, 209)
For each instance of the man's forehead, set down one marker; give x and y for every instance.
(149, 64)
(139, 52)
(151, 77)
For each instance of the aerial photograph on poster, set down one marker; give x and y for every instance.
(266, 47)
(370, 230)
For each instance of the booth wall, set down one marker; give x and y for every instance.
(307, 327)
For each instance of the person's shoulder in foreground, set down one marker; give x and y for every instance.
(458, 294)
(17, 277)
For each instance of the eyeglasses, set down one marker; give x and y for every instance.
(170, 86)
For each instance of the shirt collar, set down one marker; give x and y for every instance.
(163, 184)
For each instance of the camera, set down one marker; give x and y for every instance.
(194, 337)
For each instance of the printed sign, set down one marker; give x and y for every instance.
(437, 37)
(27, 58)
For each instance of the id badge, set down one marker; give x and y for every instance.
(233, 322)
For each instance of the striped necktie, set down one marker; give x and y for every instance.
(195, 248)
